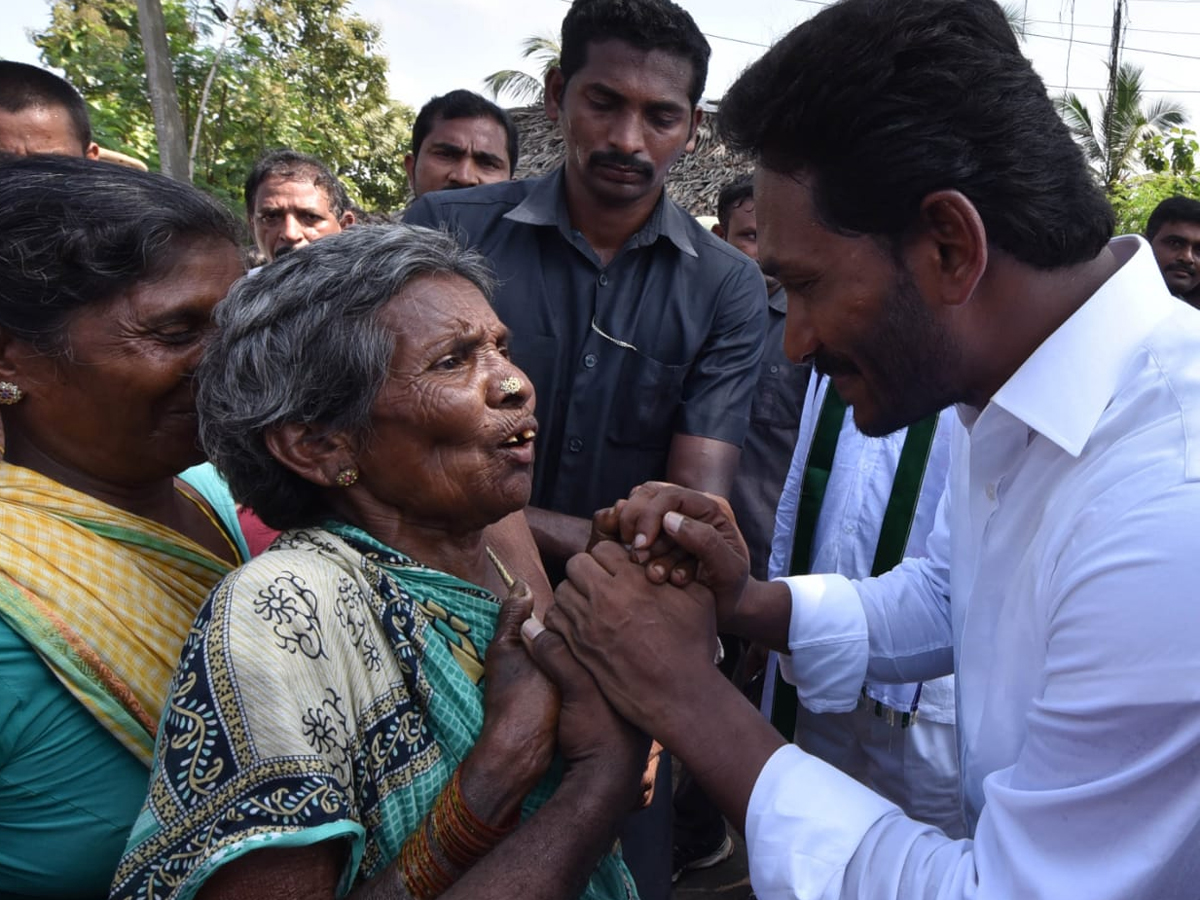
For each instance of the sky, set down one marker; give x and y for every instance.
(438, 45)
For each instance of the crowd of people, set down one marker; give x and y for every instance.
(351, 554)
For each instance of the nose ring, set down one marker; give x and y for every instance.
(510, 386)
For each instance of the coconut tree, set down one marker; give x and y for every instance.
(1110, 142)
(523, 88)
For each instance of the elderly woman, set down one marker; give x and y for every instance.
(108, 278)
(354, 709)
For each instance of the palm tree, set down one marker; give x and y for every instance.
(1111, 143)
(523, 88)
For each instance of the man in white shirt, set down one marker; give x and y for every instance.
(856, 505)
(941, 242)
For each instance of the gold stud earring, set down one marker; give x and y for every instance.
(10, 393)
(346, 477)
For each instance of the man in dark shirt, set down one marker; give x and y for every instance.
(641, 331)
(778, 395)
(1173, 231)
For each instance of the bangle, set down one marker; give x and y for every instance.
(462, 836)
(422, 874)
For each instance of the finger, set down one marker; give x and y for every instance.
(582, 568)
(611, 559)
(642, 519)
(552, 655)
(514, 609)
(663, 566)
(707, 545)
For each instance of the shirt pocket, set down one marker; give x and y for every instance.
(645, 403)
(779, 394)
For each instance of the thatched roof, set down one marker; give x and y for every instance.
(694, 181)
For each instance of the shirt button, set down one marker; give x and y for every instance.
(590, 360)
(774, 369)
(603, 280)
(848, 529)
(575, 445)
(991, 492)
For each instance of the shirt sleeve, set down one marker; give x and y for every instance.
(720, 386)
(1102, 799)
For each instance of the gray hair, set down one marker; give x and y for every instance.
(300, 342)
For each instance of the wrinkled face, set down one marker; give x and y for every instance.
(39, 130)
(1177, 249)
(460, 153)
(117, 405)
(626, 117)
(290, 214)
(452, 429)
(854, 311)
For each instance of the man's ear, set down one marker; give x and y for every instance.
(719, 231)
(947, 252)
(410, 166)
(697, 116)
(553, 93)
(92, 151)
(348, 218)
(313, 453)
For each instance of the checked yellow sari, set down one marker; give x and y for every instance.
(104, 597)
(329, 690)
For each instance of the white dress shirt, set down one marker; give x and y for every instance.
(848, 526)
(1070, 517)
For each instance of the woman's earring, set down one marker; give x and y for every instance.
(346, 477)
(10, 393)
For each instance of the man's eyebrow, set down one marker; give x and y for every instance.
(448, 146)
(490, 158)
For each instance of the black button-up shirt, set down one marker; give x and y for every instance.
(767, 452)
(665, 339)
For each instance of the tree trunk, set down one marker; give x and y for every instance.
(168, 123)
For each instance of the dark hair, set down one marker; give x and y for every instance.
(733, 195)
(23, 86)
(1173, 209)
(644, 24)
(882, 102)
(291, 165)
(75, 233)
(301, 342)
(463, 104)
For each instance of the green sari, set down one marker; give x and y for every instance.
(329, 689)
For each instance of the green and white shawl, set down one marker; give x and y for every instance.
(328, 690)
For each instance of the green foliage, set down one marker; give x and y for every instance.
(305, 74)
(1174, 152)
(522, 87)
(1134, 199)
(1110, 142)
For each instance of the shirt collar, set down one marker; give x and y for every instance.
(547, 205)
(777, 300)
(1063, 388)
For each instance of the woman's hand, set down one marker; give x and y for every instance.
(681, 535)
(520, 720)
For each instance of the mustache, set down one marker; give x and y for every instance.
(1182, 267)
(621, 160)
(832, 364)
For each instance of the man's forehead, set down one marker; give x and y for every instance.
(1180, 227)
(299, 188)
(618, 66)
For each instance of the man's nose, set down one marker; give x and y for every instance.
(465, 174)
(626, 134)
(293, 231)
(799, 338)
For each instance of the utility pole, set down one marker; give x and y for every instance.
(168, 122)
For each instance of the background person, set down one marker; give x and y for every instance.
(368, 716)
(461, 140)
(109, 278)
(1173, 231)
(292, 199)
(41, 113)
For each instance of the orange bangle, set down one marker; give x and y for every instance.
(422, 874)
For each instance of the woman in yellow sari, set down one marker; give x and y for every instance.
(108, 278)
